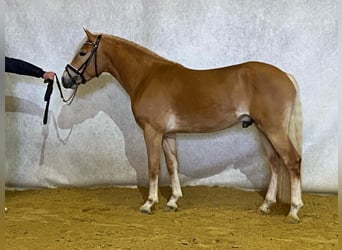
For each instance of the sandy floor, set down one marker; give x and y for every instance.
(214, 218)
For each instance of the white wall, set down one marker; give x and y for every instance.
(95, 141)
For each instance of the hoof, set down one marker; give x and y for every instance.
(264, 210)
(293, 219)
(171, 209)
(145, 210)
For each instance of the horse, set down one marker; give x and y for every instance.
(168, 98)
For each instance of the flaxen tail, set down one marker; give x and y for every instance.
(295, 134)
(296, 127)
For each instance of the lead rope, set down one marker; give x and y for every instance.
(48, 93)
(71, 97)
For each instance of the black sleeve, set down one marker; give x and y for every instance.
(21, 67)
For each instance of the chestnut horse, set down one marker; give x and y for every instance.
(168, 98)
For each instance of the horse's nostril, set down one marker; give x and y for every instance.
(64, 82)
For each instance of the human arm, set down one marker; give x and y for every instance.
(17, 66)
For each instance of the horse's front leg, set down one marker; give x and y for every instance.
(170, 152)
(153, 141)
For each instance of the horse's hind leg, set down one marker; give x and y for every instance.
(170, 152)
(292, 160)
(274, 161)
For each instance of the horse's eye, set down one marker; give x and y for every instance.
(83, 53)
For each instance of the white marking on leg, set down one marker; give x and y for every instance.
(271, 195)
(169, 146)
(153, 194)
(296, 198)
(176, 191)
(272, 190)
(152, 197)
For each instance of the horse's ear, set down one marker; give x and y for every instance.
(90, 35)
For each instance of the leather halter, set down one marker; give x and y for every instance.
(82, 68)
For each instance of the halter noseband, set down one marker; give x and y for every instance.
(83, 67)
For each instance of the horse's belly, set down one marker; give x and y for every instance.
(199, 123)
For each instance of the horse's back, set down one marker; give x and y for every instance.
(227, 86)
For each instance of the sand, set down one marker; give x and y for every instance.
(208, 217)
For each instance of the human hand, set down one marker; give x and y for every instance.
(49, 75)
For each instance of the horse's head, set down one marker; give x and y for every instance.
(86, 64)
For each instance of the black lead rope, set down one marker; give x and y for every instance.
(48, 93)
(47, 96)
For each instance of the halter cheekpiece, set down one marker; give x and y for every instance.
(82, 68)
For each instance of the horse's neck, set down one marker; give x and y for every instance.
(129, 63)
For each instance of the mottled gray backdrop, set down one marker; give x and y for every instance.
(95, 141)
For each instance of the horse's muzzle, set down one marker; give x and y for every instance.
(67, 81)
